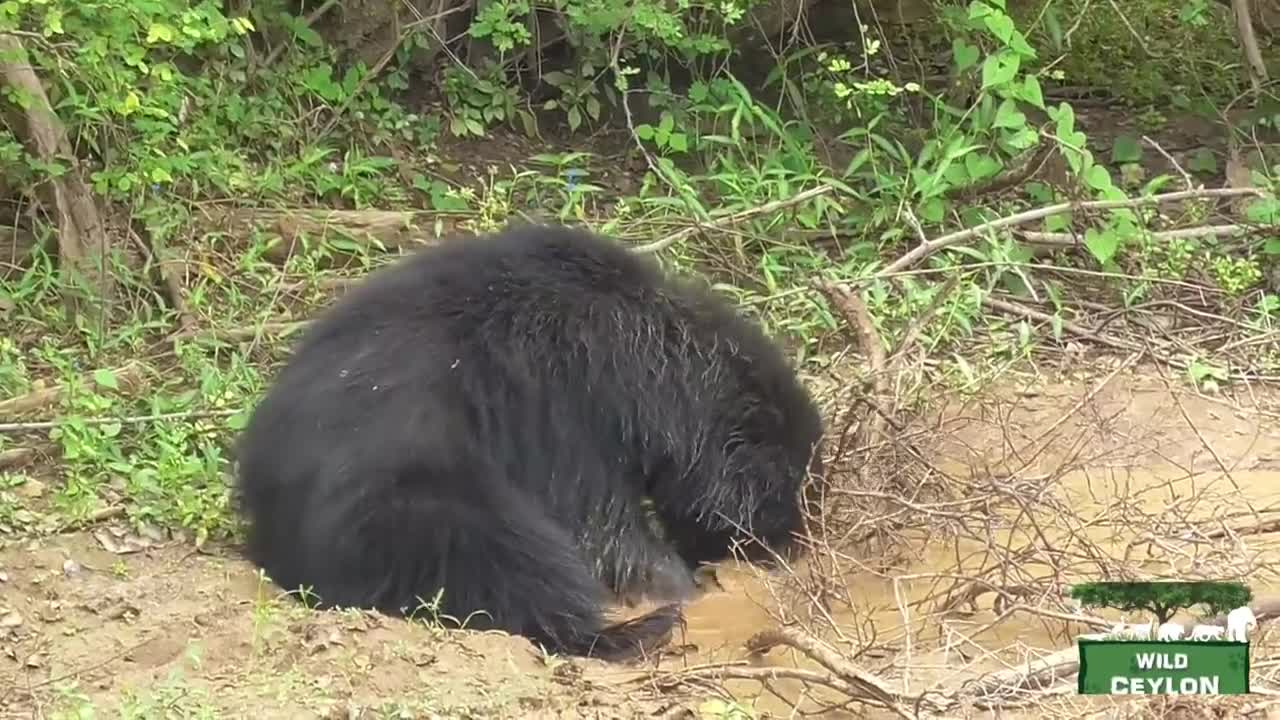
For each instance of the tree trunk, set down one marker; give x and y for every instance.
(82, 243)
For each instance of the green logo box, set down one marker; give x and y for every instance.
(1128, 667)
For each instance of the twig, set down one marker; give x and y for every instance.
(1186, 176)
(126, 420)
(307, 22)
(240, 334)
(850, 305)
(921, 321)
(924, 250)
(16, 457)
(1077, 329)
(830, 660)
(770, 207)
(1265, 527)
(1036, 674)
(1073, 240)
(172, 283)
(1204, 442)
(1088, 397)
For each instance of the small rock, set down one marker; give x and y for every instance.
(11, 619)
(70, 567)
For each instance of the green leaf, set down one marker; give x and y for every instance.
(1065, 119)
(1126, 150)
(964, 54)
(1102, 244)
(575, 118)
(999, 69)
(981, 165)
(644, 131)
(1097, 177)
(933, 210)
(1264, 212)
(1009, 116)
(106, 379)
(679, 142)
(1000, 25)
(1031, 91)
(1203, 161)
(131, 103)
(1272, 246)
(238, 421)
(159, 32)
(978, 10)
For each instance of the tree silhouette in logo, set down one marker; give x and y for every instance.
(1163, 599)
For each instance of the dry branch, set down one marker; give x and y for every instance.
(240, 334)
(82, 242)
(1017, 310)
(392, 229)
(1075, 240)
(17, 457)
(854, 311)
(1036, 674)
(868, 684)
(771, 207)
(924, 250)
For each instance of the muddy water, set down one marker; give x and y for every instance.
(1134, 461)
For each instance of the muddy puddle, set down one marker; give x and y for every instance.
(1082, 479)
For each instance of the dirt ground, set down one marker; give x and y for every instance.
(138, 627)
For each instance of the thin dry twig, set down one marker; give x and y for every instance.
(765, 209)
(924, 250)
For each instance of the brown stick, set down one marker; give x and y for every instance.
(829, 659)
(82, 244)
(1073, 240)
(854, 311)
(924, 250)
(128, 375)
(771, 207)
(17, 457)
(1026, 312)
(240, 334)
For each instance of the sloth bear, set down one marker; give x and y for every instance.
(487, 418)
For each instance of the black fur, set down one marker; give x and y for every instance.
(486, 418)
